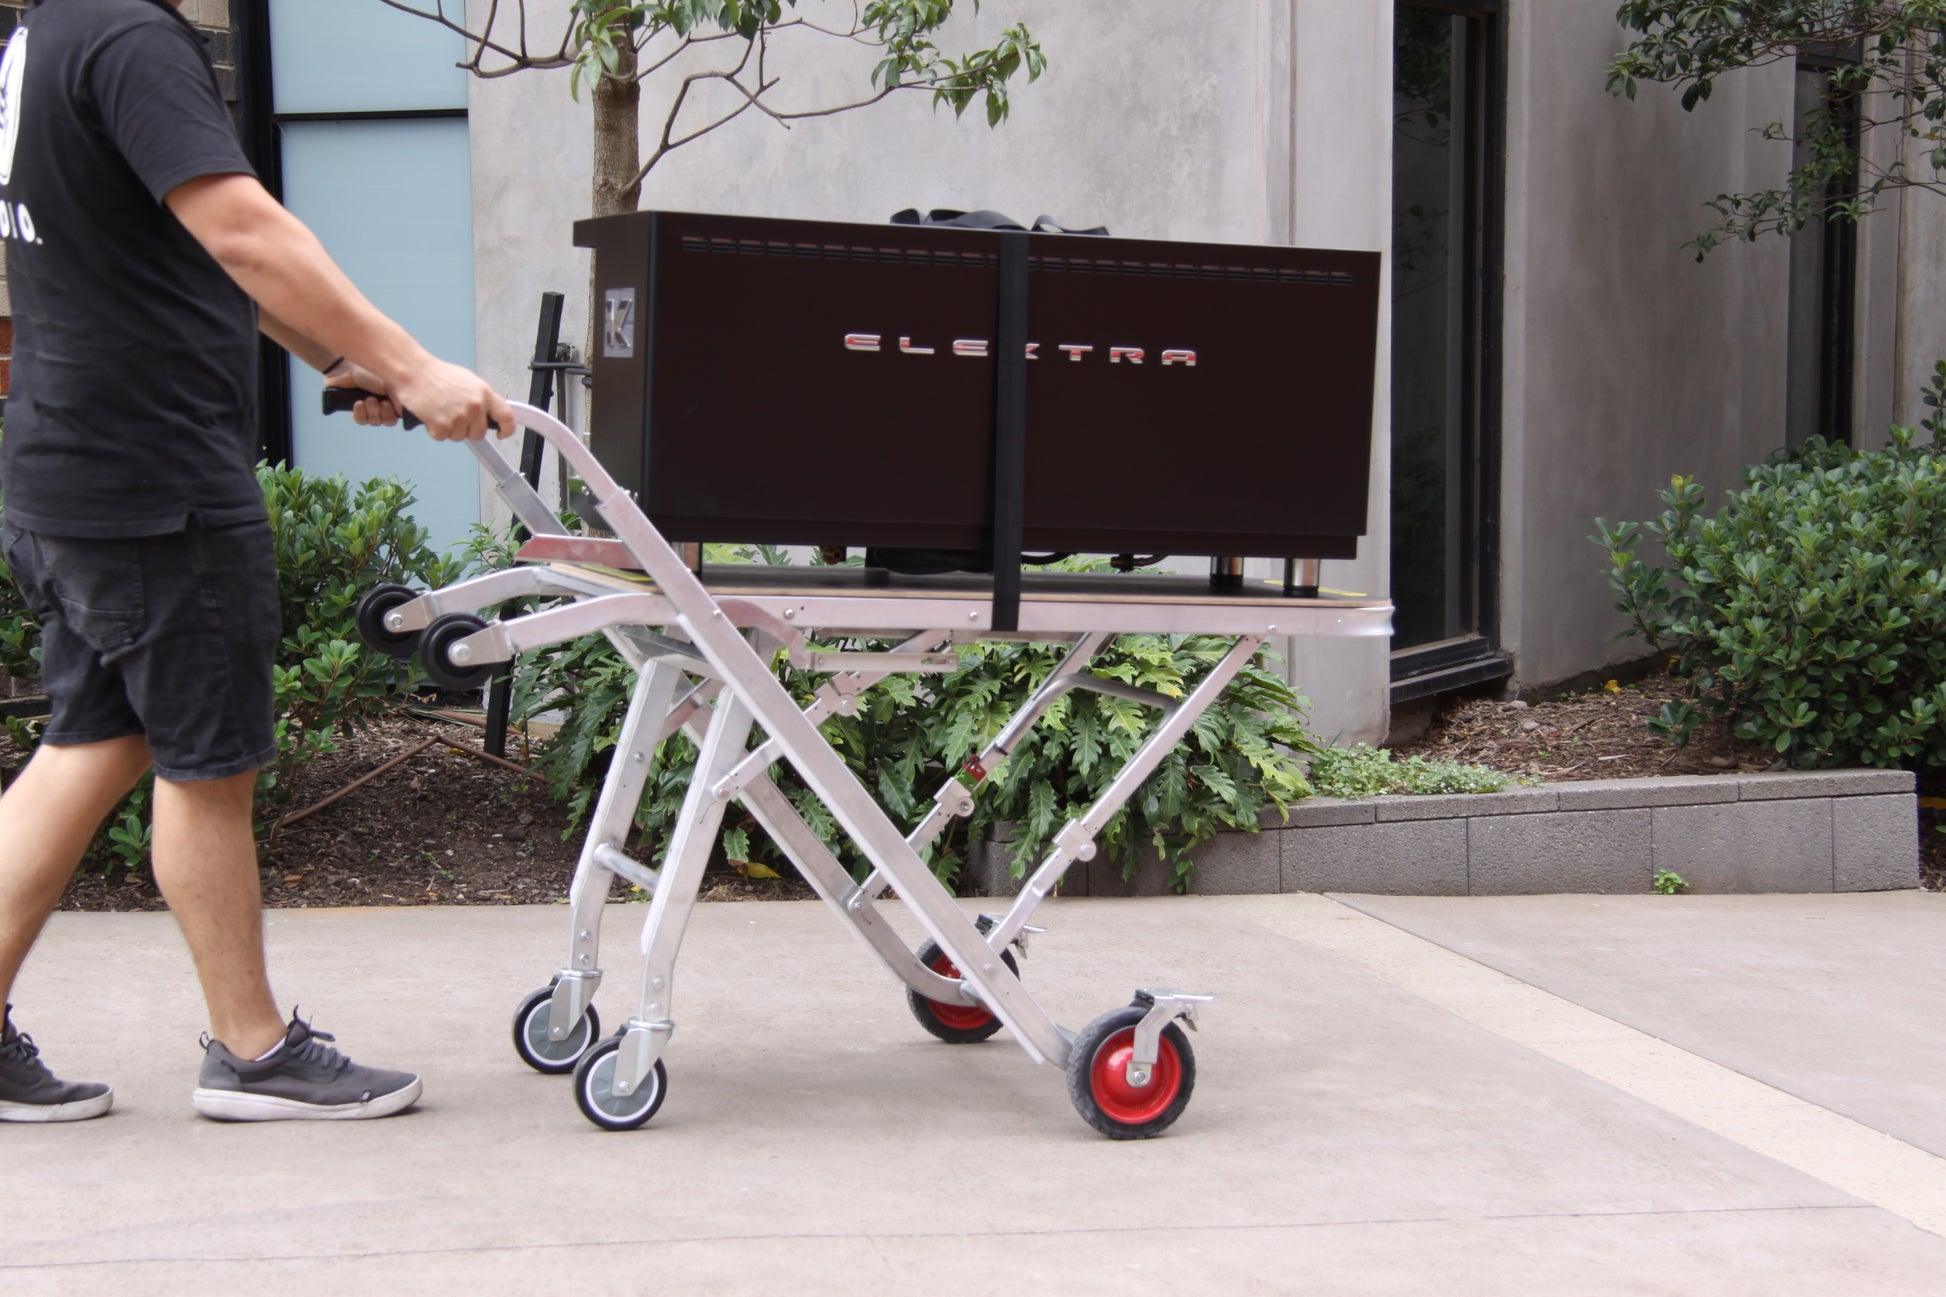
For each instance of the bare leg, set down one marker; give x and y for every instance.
(47, 819)
(206, 866)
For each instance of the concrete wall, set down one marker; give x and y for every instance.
(1340, 187)
(1921, 339)
(1159, 121)
(1626, 360)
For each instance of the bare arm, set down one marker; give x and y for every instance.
(338, 371)
(313, 353)
(306, 300)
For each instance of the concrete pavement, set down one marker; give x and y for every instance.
(1570, 1094)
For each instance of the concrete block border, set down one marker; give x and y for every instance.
(1821, 831)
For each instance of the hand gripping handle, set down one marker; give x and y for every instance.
(514, 489)
(339, 400)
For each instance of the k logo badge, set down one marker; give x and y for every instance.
(618, 324)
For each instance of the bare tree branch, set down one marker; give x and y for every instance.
(687, 42)
(616, 46)
(483, 41)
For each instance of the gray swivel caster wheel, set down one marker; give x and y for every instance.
(594, 1080)
(531, 1024)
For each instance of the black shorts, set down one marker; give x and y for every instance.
(169, 637)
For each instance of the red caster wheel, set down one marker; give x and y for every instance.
(1098, 1077)
(956, 1024)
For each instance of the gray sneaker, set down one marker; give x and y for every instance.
(29, 1092)
(303, 1080)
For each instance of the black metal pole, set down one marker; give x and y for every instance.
(540, 386)
(540, 395)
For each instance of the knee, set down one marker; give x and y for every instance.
(111, 765)
(229, 796)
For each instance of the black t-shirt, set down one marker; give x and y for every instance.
(133, 409)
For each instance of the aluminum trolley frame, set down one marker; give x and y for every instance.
(701, 653)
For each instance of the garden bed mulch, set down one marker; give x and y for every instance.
(448, 827)
(1600, 734)
(443, 827)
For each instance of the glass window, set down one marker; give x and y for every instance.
(415, 261)
(1441, 58)
(346, 56)
(1824, 256)
(370, 140)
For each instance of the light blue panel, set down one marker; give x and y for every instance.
(359, 56)
(392, 202)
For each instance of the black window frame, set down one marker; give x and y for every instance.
(260, 127)
(1475, 657)
(1837, 295)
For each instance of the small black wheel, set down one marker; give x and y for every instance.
(439, 639)
(1098, 1077)
(956, 1023)
(370, 618)
(531, 1021)
(594, 1079)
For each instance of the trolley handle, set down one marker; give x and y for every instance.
(339, 400)
(526, 502)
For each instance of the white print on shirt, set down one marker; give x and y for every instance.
(15, 220)
(13, 71)
(17, 223)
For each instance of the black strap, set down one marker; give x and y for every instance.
(1010, 431)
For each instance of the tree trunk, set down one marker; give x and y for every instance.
(618, 154)
(618, 138)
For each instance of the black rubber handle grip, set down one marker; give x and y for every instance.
(338, 400)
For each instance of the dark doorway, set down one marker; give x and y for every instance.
(1445, 206)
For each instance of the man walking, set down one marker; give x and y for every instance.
(143, 257)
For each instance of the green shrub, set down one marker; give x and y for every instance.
(20, 631)
(1239, 757)
(586, 683)
(909, 733)
(1811, 609)
(1365, 771)
(333, 541)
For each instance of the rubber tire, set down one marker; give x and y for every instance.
(530, 1035)
(442, 635)
(596, 1071)
(370, 619)
(961, 1024)
(1104, 1100)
